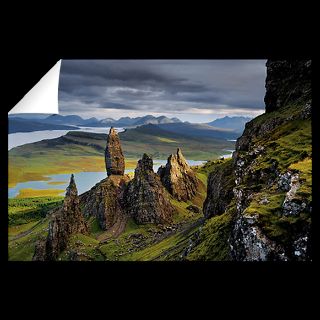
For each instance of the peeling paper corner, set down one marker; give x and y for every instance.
(43, 97)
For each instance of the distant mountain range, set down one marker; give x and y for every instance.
(230, 127)
(73, 120)
(236, 124)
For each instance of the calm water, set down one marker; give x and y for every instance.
(20, 138)
(84, 180)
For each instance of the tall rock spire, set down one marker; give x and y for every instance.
(114, 158)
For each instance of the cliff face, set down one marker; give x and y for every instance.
(273, 171)
(65, 222)
(287, 82)
(220, 189)
(272, 200)
(147, 200)
(105, 201)
(178, 178)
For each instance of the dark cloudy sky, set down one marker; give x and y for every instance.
(192, 90)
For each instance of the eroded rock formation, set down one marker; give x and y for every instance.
(178, 178)
(64, 222)
(147, 200)
(105, 200)
(114, 158)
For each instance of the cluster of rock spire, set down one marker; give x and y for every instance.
(145, 198)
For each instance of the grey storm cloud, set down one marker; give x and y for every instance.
(162, 85)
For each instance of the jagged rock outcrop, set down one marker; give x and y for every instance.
(147, 200)
(114, 158)
(287, 82)
(249, 243)
(106, 201)
(273, 220)
(178, 178)
(64, 222)
(220, 189)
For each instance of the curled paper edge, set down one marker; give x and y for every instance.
(43, 97)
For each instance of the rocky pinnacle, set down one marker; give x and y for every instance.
(65, 222)
(114, 158)
(146, 199)
(178, 178)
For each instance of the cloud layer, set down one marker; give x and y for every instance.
(194, 90)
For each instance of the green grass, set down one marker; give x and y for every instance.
(94, 226)
(277, 227)
(85, 246)
(131, 226)
(22, 249)
(214, 236)
(18, 229)
(22, 211)
(154, 251)
(305, 169)
(203, 178)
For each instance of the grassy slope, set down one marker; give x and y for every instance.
(22, 249)
(80, 151)
(289, 145)
(26, 213)
(26, 210)
(213, 235)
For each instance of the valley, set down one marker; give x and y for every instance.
(83, 152)
(253, 206)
